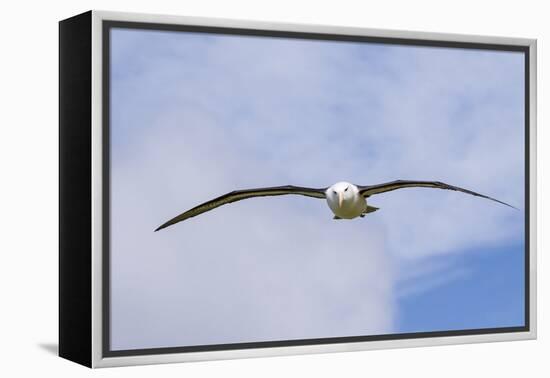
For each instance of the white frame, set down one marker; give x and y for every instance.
(97, 328)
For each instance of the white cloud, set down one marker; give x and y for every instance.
(252, 271)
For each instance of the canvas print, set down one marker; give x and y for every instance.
(266, 189)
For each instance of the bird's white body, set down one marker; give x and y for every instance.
(345, 201)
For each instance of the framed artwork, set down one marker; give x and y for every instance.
(236, 189)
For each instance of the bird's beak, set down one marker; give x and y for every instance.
(340, 199)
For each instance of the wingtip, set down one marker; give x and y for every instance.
(507, 204)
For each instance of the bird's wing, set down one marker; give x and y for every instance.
(238, 195)
(369, 190)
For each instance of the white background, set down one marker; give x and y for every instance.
(28, 207)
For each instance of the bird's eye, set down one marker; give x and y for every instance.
(345, 190)
(334, 191)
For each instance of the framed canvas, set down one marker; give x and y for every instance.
(238, 189)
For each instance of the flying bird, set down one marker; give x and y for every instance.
(347, 201)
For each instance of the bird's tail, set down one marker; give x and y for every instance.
(371, 209)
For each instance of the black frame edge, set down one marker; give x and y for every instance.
(75, 178)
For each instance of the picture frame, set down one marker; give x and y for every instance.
(85, 150)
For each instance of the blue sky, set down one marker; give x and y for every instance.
(195, 116)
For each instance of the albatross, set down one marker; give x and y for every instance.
(346, 200)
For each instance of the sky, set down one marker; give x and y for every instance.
(196, 115)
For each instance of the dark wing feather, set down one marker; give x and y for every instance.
(369, 190)
(238, 195)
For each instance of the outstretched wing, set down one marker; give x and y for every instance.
(238, 195)
(369, 190)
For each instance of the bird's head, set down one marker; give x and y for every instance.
(341, 192)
